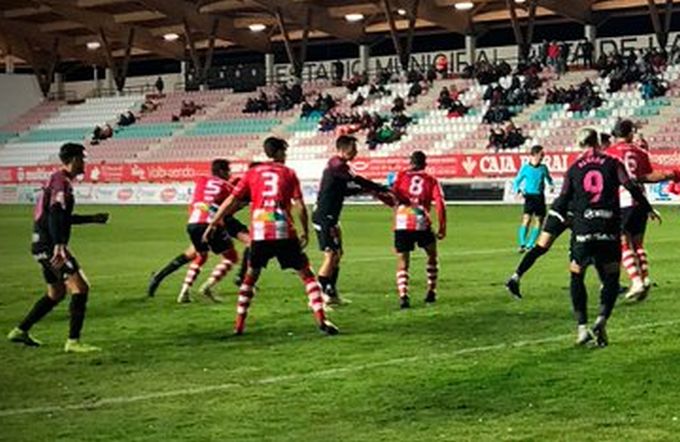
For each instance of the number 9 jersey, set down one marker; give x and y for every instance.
(271, 188)
(421, 189)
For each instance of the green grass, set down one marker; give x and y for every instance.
(477, 366)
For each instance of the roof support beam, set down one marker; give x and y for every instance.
(202, 68)
(577, 10)
(448, 18)
(97, 21)
(403, 52)
(660, 30)
(119, 71)
(320, 19)
(183, 10)
(523, 41)
(296, 60)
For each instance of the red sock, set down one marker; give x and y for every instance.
(229, 258)
(245, 296)
(194, 270)
(644, 261)
(432, 274)
(629, 259)
(313, 291)
(402, 283)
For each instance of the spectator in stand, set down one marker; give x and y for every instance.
(553, 55)
(563, 59)
(588, 51)
(496, 138)
(445, 101)
(160, 85)
(414, 91)
(398, 105)
(358, 101)
(431, 75)
(338, 72)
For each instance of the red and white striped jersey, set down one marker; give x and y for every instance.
(271, 188)
(209, 193)
(637, 164)
(421, 189)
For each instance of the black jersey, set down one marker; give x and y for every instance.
(337, 182)
(591, 192)
(53, 212)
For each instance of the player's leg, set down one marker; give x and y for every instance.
(56, 290)
(192, 273)
(535, 231)
(631, 263)
(229, 258)
(243, 237)
(171, 267)
(337, 235)
(329, 242)
(403, 263)
(579, 302)
(609, 273)
(554, 226)
(432, 267)
(316, 301)
(246, 292)
(522, 232)
(638, 243)
(79, 287)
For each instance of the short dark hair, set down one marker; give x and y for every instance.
(605, 137)
(69, 151)
(536, 149)
(418, 160)
(272, 145)
(219, 165)
(345, 142)
(623, 128)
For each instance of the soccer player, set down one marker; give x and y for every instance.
(530, 183)
(209, 192)
(273, 191)
(337, 182)
(412, 224)
(634, 218)
(591, 192)
(53, 218)
(555, 224)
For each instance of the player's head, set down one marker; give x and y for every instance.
(624, 130)
(346, 146)
(537, 152)
(605, 140)
(588, 138)
(418, 160)
(275, 148)
(72, 155)
(220, 168)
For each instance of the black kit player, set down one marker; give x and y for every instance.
(555, 224)
(337, 182)
(53, 218)
(591, 192)
(234, 228)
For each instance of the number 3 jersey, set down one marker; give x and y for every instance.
(591, 192)
(271, 188)
(209, 193)
(421, 189)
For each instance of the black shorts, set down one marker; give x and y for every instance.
(554, 225)
(535, 205)
(595, 252)
(287, 251)
(53, 276)
(406, 240)
(219, 241)
(234, 226)
(329, 237)
(634, 220)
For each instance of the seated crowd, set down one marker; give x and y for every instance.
(510, 137)
(644, 65)
(583, 97)
(285, 98)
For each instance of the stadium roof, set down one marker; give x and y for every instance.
(29, 28)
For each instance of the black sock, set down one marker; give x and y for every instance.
(325, 283)
(244, 263)
(529, 259)
(334, 279)
(171, 267)
(579, 298)
(77, 308)
(43, 306)
(609, 293)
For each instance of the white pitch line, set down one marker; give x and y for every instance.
(123, 400)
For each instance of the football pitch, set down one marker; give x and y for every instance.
(476, 366)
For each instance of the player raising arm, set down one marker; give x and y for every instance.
(412, 224)
(53, 218)
(273, 190)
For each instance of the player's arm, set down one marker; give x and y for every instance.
(440, 208)
(548, 177)
(635, 191)
(97, 218)
(58, 222)
(517, 182)
(561, 203)
(658, 176)
(301, 209)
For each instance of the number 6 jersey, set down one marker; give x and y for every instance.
(271, 188)
(421, 189)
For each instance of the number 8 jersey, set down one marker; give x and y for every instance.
(271, 188)
(421, 189)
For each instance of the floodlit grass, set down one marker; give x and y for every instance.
(476, 366)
